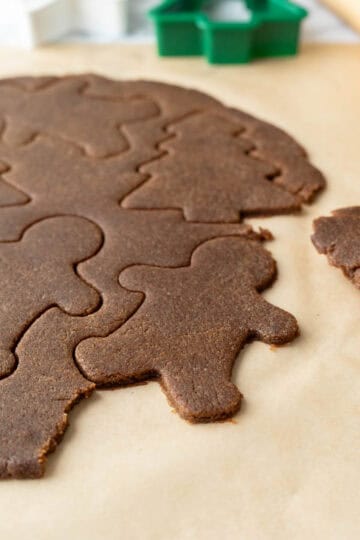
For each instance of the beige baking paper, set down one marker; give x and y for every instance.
(289, 467)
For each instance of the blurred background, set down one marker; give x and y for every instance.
(29, 23)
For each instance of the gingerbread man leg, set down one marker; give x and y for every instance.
(197, 405)
(106, 361)
(197, 376)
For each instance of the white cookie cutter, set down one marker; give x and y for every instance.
(27, 23)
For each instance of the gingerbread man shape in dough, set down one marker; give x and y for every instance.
(38, 272)
(191, 326)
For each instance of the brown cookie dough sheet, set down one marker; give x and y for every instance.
(287, 467)
(80, 148)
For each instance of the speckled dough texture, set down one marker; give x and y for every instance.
(193, 322)
(97, 177)
(338, 237)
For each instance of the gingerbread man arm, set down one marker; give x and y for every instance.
(142, 278)
(271, 324)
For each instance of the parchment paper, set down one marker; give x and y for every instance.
(289, 467)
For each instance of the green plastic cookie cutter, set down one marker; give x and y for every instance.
(261, 28)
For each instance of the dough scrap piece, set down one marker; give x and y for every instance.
(214, 174)
(338, 237)
(192, 324)
(38, 272)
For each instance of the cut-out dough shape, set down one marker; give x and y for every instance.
(210, 173)
(191, 326)
(38, 272)
(338, 237)
(95, 123)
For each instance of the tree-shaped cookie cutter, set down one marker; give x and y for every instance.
(185, 28)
